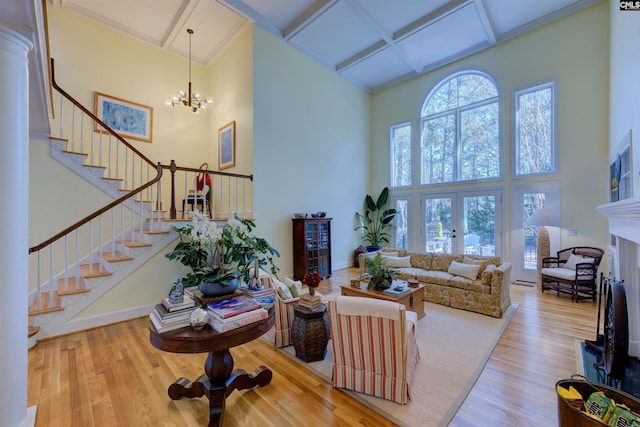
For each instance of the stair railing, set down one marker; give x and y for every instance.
(59, 260)
(230, 194)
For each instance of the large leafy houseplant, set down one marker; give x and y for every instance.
(376, 220)
(380, 276)
(221, 254)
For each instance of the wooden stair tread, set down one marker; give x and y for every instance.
(153, 231)
(32, 331)
(132, 244)
(93, 270)
(115, 257)
(49, 303)
(94, 166)
(75, 152)
(112, 179)
(75, 286)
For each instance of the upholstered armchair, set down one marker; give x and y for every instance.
(284, 310)
(572, 271)
(374, 346)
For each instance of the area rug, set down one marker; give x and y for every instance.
(454, 348)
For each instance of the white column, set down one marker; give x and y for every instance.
(14, 225)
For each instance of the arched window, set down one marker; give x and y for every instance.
(460, 130)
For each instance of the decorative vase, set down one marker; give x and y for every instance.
(312, 290)
(218, 289)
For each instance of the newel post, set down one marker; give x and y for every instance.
(172, 211)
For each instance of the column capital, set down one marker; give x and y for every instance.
(15, 40)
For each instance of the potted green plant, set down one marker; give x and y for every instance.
(376, 220)
(220, 254)
(380, 276)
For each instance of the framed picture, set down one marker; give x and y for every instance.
(129, 119)
(227, 146)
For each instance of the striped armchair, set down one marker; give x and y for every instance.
(284, 311)
(382, 364)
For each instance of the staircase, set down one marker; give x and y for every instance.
(78, 265)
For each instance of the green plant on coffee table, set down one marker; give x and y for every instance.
(381, 276)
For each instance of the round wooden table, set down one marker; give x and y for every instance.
(220, 379)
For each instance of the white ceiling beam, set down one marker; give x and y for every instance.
(180, 18)
(430, 18)
(307, 17)
(486, 22)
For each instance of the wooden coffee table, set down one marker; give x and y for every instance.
(412, 300)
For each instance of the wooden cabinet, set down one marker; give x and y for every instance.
(311, 247)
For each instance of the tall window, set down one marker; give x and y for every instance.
(534, 127)
(460, 130)
(400, 140)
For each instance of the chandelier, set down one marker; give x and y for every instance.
(191, 99)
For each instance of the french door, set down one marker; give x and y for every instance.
(526, 199)
(468, 222)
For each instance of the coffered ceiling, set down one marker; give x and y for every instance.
(372, 43)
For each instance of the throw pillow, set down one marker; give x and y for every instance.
(295, 286)
(483, 263)
(283, 290)
(396, 262)
(576, 259)
(389, 253)
(465, 270)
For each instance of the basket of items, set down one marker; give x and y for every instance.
(583, 403)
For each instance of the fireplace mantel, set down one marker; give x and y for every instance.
(624, 223)
(624, 218)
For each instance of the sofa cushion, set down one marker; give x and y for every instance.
(481, 262)
(469, 271)
(396, 261)
(470, 285)
(435, 277)
(422, 261)
(408, 273)
(441, 262)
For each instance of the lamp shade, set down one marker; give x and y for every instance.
(542, 218)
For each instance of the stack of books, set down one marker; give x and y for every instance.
(396, 289)
(234, 312)
(263, 291)
(167, 316)
(312, 303)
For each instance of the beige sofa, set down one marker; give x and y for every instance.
(445, 284)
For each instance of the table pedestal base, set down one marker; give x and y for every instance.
(219, 381)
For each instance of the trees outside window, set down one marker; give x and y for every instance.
(460, 130)
(534, 130)
(400, 141)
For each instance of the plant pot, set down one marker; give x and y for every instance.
(218, 289)
(373, 248)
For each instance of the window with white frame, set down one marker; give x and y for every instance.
(534, 130)
(400, 143)
(460, 130)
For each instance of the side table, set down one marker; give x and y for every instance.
(220, 378)
(310, 333)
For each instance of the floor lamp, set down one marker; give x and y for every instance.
(542, 218)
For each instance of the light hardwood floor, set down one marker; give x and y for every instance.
(112, 376)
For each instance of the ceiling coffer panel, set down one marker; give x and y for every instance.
(372, 43)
